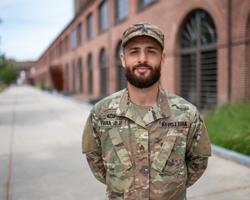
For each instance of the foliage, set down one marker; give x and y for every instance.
(229, 127)
(8, 71)
(2, 87)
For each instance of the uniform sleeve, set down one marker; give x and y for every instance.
(198, 150)
(91, 146)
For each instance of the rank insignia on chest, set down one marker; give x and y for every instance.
(183, 124)
(110, 115)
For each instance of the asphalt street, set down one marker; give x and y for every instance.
(40, 153)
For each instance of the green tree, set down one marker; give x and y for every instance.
(8, 70)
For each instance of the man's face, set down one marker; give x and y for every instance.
(142, 58)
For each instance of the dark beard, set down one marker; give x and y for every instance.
(141, 82)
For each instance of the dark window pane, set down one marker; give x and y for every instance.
(74, 77)
(103, 63)
(120, 73)
(121, 9)
(145, 3)
(90, 26)
(199, 28)
(188, 77)
(90, 74)
(103, 16)
(80, 71)
(208, 34)
(208, 78)
(73, 39)
(79, 34)
(66, 78)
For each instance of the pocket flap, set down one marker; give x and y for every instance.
(162, 157)
(120, 148)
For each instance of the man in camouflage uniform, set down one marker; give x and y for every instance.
(143, 142)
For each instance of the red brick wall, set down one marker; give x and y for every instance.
(169, 16)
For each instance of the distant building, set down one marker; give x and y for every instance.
(207, 45)
(23, 68)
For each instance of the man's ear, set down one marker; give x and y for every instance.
(163, 57)
(122, 59)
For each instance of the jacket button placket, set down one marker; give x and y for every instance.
(142, 165)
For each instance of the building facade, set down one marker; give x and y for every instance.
(207, 49)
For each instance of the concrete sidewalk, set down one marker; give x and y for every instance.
(40, 154)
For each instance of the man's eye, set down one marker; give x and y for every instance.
(133, 52)
(152, 51)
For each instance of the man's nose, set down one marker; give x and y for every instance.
(142, 57)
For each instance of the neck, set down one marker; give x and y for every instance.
(143, 96)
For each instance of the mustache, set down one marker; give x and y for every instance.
(142, 65)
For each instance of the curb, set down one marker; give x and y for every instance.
(231, 155)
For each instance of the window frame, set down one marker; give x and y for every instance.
(103, 67)
(90, 35)
(204, 77)
(79, 34)
(101, 27)
(117, 20)
(90, 74)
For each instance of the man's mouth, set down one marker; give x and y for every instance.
(142, 68)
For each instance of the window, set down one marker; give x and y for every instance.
(80, 73)
(198, 60)
(90, 26)
(66, 44)
(90, 74)
(79, 34)
(145, 3)
(60, 49)
(103, 63)
(121, 10)
(52, 54)
(120, 73)
(73, 77)
(103, 16)
(73, 39)
(66, 78)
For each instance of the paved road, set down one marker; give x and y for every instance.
(40, 154)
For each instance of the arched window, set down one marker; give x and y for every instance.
(120, 73)
(66, 78)
(90, 73)
(73, 76)
(103, 63)
(121, 10)
(80, 71)
(198, 59)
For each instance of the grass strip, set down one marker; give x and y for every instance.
(229, 127)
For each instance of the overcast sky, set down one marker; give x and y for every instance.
(28, 27)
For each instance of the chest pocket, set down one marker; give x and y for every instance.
(119, 169)
(172, 153)
(162, 157)
(120, 149)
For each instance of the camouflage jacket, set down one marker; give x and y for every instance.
(151, 158)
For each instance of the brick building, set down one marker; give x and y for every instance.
(207, 48)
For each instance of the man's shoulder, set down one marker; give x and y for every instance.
(110, 102)
(180, 106)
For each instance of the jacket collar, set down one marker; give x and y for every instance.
(160, 110)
